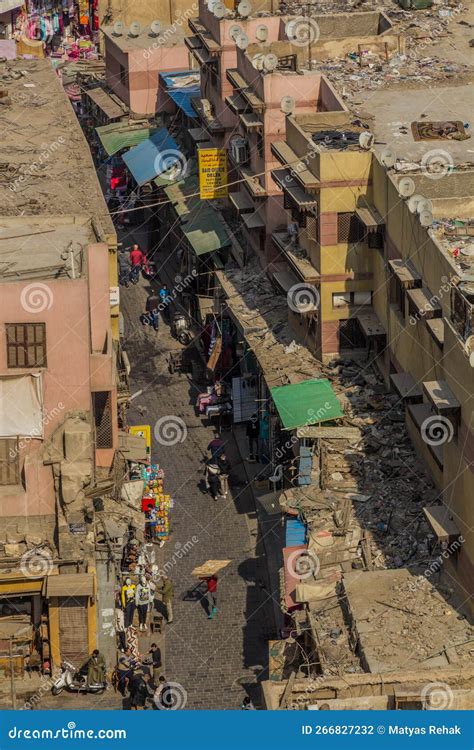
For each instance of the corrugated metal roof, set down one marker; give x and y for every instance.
(120, 135)
(105, 102)
(181, 88)
(152, 157)
(306, 403)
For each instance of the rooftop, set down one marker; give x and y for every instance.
(46, 167)
(42, 248)
(169, 36)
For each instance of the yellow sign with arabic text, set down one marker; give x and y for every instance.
(212, 173)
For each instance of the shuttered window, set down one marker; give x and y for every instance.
(9, 462)
(26, 344)
(73, 628)
(349, 228)
(102, 405)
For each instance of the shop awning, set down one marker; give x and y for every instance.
(309, 402)
(181, 88)
(75, 584)
(152, 157)
(105, 103)
(120, 135)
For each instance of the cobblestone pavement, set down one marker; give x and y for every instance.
(216, 662)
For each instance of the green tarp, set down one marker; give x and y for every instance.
(306, 403)
(121, 135)
(199, 222)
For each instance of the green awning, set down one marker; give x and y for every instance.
(121, 135)
(306, 403)
(200, 224)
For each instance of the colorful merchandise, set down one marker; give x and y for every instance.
(154, 498)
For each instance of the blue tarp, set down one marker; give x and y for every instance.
(152, 157)
(295, 532)
(182, 94)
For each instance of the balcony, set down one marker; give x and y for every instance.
(252, 183)
(295, 255)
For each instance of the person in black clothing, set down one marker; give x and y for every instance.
(212, 479)
(155, 652)
(152, 310)
(253, 431)
(138, 691)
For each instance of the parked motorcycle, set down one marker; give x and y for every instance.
(149, 270)
(75, 682)
(180, 329)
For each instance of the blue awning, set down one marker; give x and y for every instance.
(181, 88)
(152, 157)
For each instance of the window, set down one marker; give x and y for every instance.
(350, 336)
(26, 344)
(260, 145)
(102, 407)
(375, 240)
(9, 462)
(397, 293)
(359, 299)
(349, 228)
(312, 228)
(123, 76)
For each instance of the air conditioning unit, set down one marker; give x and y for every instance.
(239, 149)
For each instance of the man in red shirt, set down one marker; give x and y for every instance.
(211, 594)
(137, 260)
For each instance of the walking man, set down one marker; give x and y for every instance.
(124, 269)
(167, 593)
(155, 652)
(152, 310)
(211, 595)
(224, 471)
(212, 479)
(137, 259)
(165, 301)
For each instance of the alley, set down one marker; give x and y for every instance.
(216, 662)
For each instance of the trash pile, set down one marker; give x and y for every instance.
(456, 236)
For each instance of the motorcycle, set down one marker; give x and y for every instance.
(180, 329)
(149, 270)
(75, 682)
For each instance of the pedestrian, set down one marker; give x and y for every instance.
(155, 652)
(213, 484)
(120, 626)
(224, 471)
(247, 704)
(211, 595)
(165, 301)
(137, 259)
(253, 431)
(216, 446)
(124, 269)
(143, 599)
(125, 667)
(127, 597)
(138, 691)
(167, 593)
(152, 310)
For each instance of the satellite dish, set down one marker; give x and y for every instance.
(426, 218)
(244, 8)
(270, 62)
(235, 31)
(118, 28)
(387, 157)
(414, 201)
(424, 205)
(287, 105)
(261, 33)
(220, 10)
(155, 28)
(257, 61)
(406, 187)
(134, 29)
(242, 41)
(366, 140)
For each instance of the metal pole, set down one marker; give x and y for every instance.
(12, 676)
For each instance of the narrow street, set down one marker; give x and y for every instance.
(217, 662)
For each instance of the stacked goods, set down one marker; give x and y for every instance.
(154, 498)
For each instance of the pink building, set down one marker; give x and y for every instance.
(133, 65)
(58, 401)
